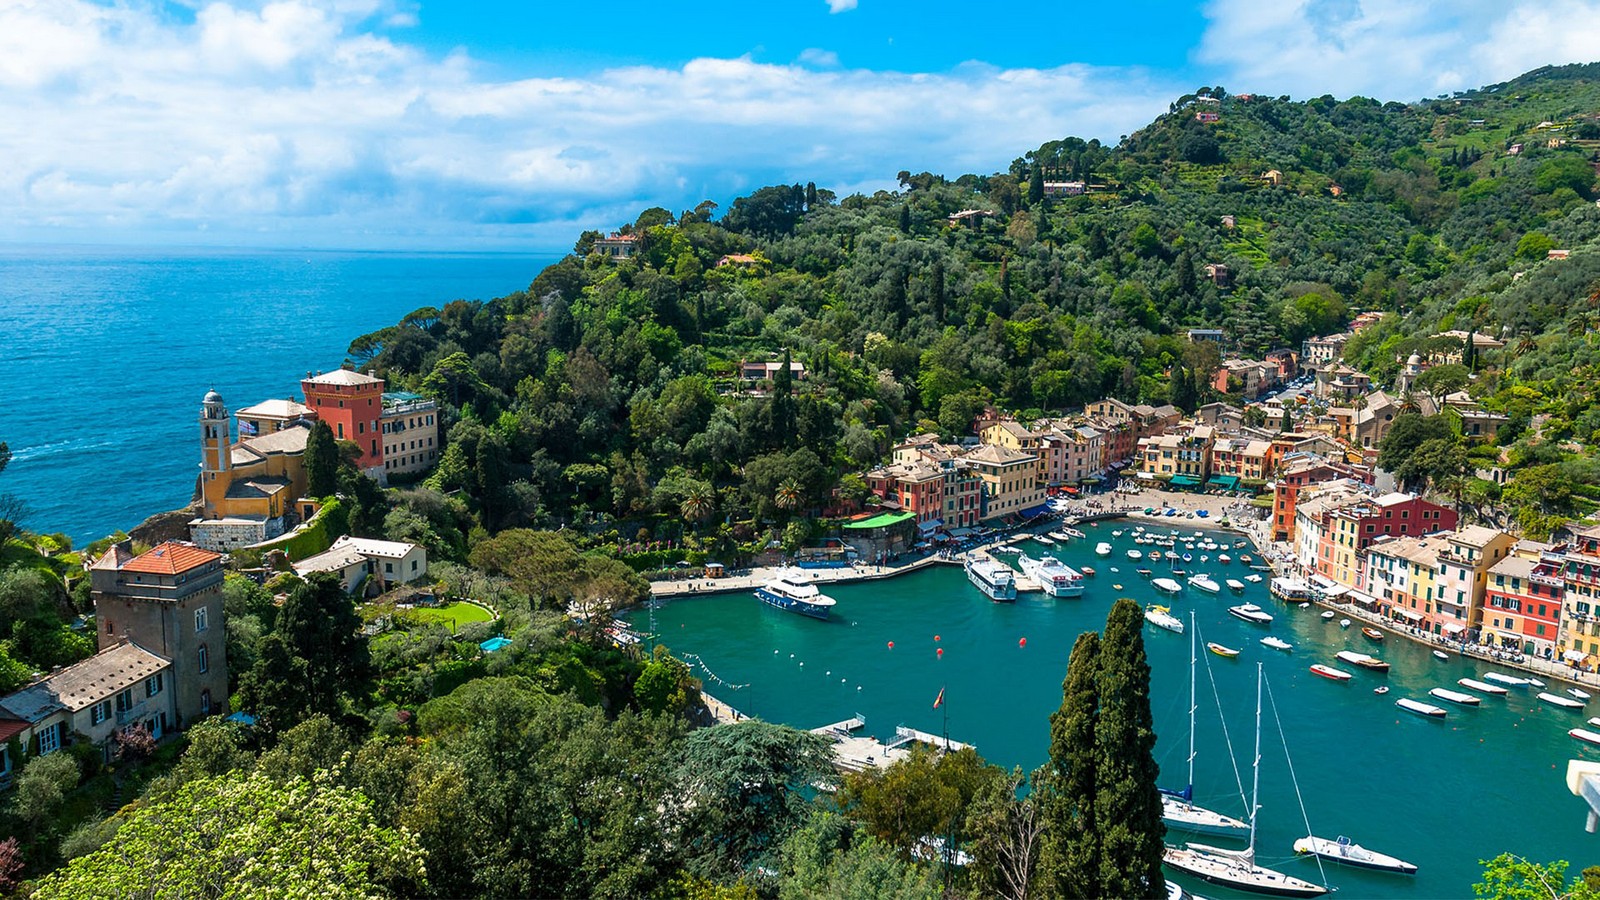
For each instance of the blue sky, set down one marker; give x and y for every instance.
(513, 125)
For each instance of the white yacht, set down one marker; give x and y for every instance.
(1162, 617)
(1205, 583)
(1251, 613)
(1056, 579)
(788, 590)
(1102, 549)
(997, 581)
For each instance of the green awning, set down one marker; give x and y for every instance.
(882, 520)
(1183, 481)
(1227, 482)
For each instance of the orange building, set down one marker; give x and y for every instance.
(352, 404)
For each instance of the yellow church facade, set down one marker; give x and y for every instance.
(247, 489)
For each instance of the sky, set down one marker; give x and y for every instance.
(513, 125)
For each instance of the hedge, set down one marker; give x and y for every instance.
(330, 523)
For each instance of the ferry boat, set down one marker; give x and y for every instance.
(1330, 672)
(1102, 549)
(1251, 613)
(1056, 579)
(1456, 697)
(997, 582)
(1345, 852)
(788, 591)
(1205, 583)
(1162, 617)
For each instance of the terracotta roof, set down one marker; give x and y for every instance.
(170, 558)
(114, 558)
(343, 376)
(10, 728)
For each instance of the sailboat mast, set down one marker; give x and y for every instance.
(1193, 661)
(1255, 779)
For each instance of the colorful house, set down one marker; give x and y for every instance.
(1464, 563)
(122, 687)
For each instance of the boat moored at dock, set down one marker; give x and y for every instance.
(1456, 697)
(1507, 680)
(1347, 853)
(789, 591)
(1420, 708)
(996, 581)
(1056, 579)
(1363, 660)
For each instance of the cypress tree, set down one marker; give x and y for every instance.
(1071, 853)
(1287, 424)
(781, 409)
(322, 461)
(1127, 807)
(905, 218)
(1036, 185)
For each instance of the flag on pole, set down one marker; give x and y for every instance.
(939, 700)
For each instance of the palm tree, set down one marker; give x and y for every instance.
(698, 504)
(788, 495)
(1409, 404)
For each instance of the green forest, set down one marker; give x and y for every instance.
(598, 431)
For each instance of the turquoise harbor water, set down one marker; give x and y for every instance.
(1440, 794)
(105, 353)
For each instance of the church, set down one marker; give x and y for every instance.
(247, 490)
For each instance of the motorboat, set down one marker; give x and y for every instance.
(1044, 539)
(1116, 532)
(1558, 700)
(1330, 672)
(1595, 721)
(1477, 685)
(1237, 869)
(1327, 615)
(1440, 654)
(788, 590)
(1234, 584)
(1362, 660)
(1166, 585)
(1381, 689)
(1348, 853)
(1344, 623)
(1071, 533)
(1251, 613)
(1371, 634)
(1102, 549)
(1245, 558)
(1205, 557)
(1153, 554)
(1585, 735)
(1057, 579)
(1224, 558)
(1535, 682)
(1205, 583)
(1162, 617)
(1456, 696)
(1507, 680)
(1144, 573)
(1580, 693)
(1420, 708)
(1218, 649)
(1253, 578)
(1088, 571)
(997, 582)
(1276, 643)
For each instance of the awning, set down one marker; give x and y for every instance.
(1454, 628)
(960, 532)
(1035, 511)
(1507, 637)
(1408, 614)
(1323, 581)
(932, 525)
(1146, 476)
(1069, 489)
(882, 520)
(1574, 656)
(1363, 598)
(1339, 591)
(1226, 482)
(1184, 481)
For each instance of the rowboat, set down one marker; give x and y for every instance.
(1420, 708)
(1580, 693)
(1558, 700)
(1220, 650)
(1327, 615)
(1477, 685)
(1330, 672)
(1455, 696)
(1440, 654)
(1372, 634)
(1585, 735)
(1087, 570)
(1345, 852)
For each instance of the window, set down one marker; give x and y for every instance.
(205, 702)
(50, 739)
(99, 712)
(203, 659)
(108, 626)
(200, 620)
(152, 685)
(125, 700)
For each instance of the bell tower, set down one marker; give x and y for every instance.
(215, 450)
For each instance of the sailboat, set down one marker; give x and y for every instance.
(1237, 869)
(1177, 807)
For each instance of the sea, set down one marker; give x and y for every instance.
(1336, 758)
(106, 352)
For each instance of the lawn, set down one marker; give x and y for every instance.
(451, 615)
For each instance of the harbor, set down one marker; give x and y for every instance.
(1359, 758)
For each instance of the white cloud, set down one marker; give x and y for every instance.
(301, 121)
(816, 56)
(839, 6)
(1391, 49)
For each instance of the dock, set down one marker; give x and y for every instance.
(842, 729)
(857, 753)
(904, 735)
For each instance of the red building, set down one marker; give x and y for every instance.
(1297, 474)
(351, 403)
(1522, 603)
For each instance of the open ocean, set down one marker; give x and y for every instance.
(106, 352)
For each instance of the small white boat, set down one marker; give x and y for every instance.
(1381, 689)
(1205, 557)
(1153, 554)
(1595, 721)
(1234, 584)
(1102, 549)
(1330, 672)
(1420, 708)
(1345, 852)
(1276, 643)
(1166, 585)
(1440, 654)
(1508, 680)
(1253, 578)
(1221, 650)
(1535, 682)
(1558, 700)
(1205, 583)
(1069, 532)
(1344, 623)
(1585, 735)
(1116, 532)
(1477, 685)
(1044, 540)
(1135, 555)
(1162, 617)
(1224, 558)
(1251, 613)
(1305, 606)
(1245, 558)
(1363, 660)
(1580, 693)
(1455, 696)
(1327, 615)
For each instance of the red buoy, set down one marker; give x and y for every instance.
(936, 639)
(891, 645)
(1022, 643)
(939, 653)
